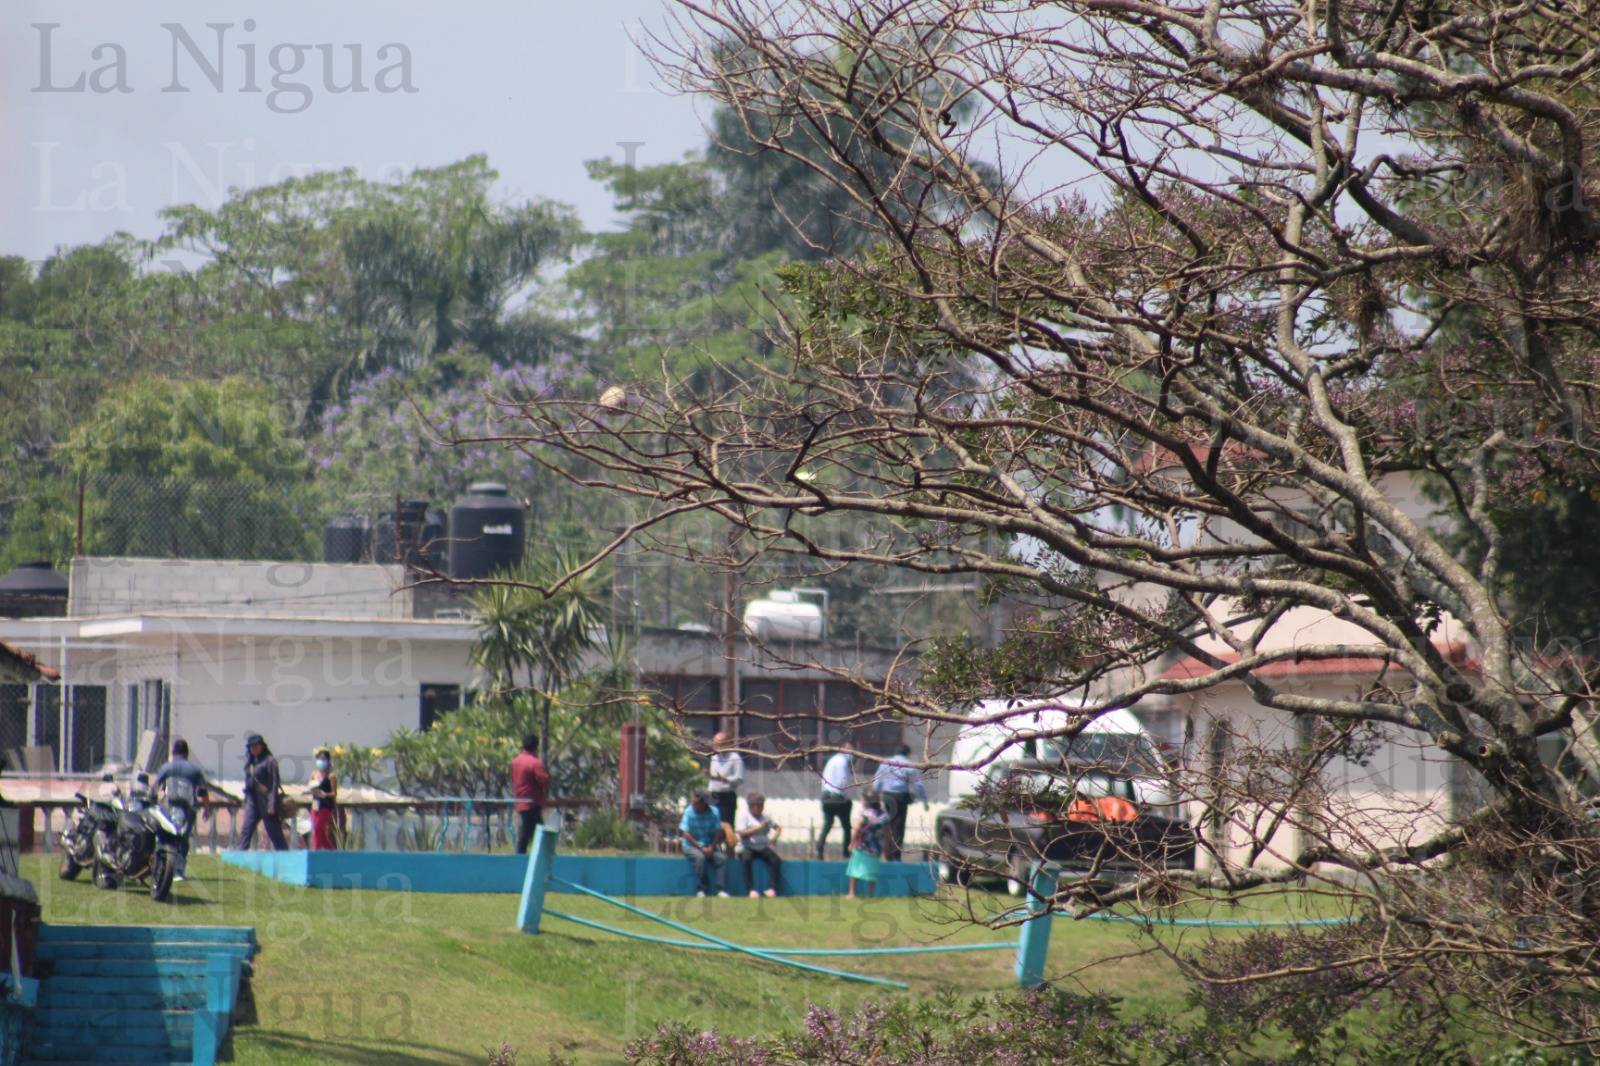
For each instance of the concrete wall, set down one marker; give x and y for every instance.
(1398, 793)
(615, 875)
(297, 692)
(100, 586)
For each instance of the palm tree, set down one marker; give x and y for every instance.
(545, 637)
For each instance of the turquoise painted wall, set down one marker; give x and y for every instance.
(615, 875)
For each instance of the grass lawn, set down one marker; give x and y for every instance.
(411, 978)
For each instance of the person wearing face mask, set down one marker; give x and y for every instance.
(324, 801)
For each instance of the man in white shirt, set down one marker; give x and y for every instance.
(835, 801)
(756, 833)
(897, 780)
(724, 776)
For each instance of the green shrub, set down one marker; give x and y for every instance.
(608, 830)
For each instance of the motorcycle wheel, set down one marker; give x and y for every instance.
(162, 869)
(69, 868)
(103, 877)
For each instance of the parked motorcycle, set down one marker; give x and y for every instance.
(134, 839)
(77, 843)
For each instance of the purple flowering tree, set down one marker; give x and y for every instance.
(428, 433)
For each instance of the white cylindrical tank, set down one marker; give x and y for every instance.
(783, 616)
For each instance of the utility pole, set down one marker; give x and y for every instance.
(730, 636)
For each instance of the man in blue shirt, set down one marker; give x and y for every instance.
(897, 780)
(701, 829)
(185, 785)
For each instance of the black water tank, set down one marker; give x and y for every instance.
(487, 530)
(33, 590)
(346, 538)
(397, 534)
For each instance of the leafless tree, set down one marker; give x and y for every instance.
(1247, 272)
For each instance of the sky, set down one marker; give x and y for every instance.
(110, 111)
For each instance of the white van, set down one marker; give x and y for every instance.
(1031, 730)
(1015, 737)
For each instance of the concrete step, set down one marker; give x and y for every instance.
(183, 1060)
(132, 969)
(107, 1052)
(133, 1037)
(137, 999)
(185, 949)
(100, 1020)
(102, 983)
(52, 932)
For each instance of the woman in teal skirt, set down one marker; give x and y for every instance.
(866, 849)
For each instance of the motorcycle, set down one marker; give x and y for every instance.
(77, 843)
(140, 840)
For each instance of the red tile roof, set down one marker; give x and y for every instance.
(28, 663)
(1344, 666)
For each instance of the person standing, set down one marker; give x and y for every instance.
(529, 779)
(726, 774)
(263, 795)
(185, 785)
(324, 800)
(867, 846)
(897, 780)
(836, 800)
(756, 831)
(701, 831)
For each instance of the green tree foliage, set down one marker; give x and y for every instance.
(534, 638)
(67, 330)
(190, 469)
(343, 277)
(308, 287)
(671, 291)
(468, 752)
(688, 283)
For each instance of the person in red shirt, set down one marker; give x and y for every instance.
(529, 779)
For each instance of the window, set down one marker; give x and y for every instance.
(1124, 752)
(758, 732)
(785, 728)
(13, 724)
(877, 735)
(434, 701)
(47, 717)
(86, 749)
(695, 701)
(149, 708)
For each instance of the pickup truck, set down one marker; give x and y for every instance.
(1082, 818)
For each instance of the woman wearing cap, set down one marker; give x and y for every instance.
(263, 795)
(324, 801)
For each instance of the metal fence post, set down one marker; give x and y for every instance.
(537, 879)
(1033, 946)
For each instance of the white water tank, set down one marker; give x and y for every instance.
(784, 615)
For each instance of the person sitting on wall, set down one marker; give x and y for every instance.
(701, 829)
(757, 832)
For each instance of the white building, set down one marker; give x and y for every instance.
(309, 654)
